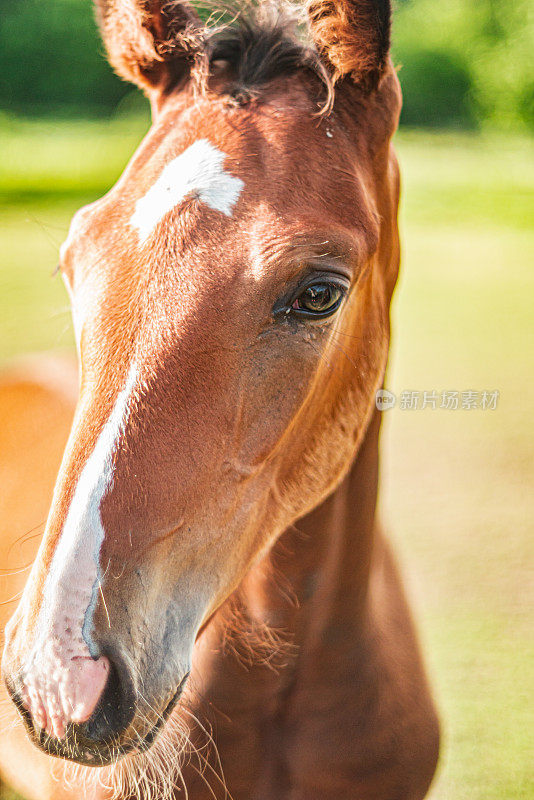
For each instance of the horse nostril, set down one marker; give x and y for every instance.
(116, 707)
(87, 735)
(60, 694)
(88, 702)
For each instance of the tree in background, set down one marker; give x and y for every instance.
(52, 60)
(466, 63)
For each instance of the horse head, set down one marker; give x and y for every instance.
(230, 297)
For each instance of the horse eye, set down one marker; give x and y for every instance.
(318, 300)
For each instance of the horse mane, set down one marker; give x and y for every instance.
(257, 41)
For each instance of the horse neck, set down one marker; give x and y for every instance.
(302, 610)
(315, 578)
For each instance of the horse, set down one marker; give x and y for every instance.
(213, 609)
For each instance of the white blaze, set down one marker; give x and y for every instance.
(73, 581)
(198, 172)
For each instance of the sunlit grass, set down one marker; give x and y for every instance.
(456, 486)
(47, 161)
(486, 181)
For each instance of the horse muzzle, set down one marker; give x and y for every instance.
(88, 711)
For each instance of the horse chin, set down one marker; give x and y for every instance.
(135, 771)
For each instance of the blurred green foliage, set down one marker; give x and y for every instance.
(466, 63)
(52, 60)
(463, 63)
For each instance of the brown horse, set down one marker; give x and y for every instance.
(213, 609)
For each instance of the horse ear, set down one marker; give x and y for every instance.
(146, 40)
(353, 36)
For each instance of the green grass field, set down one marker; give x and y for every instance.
(456, 491)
